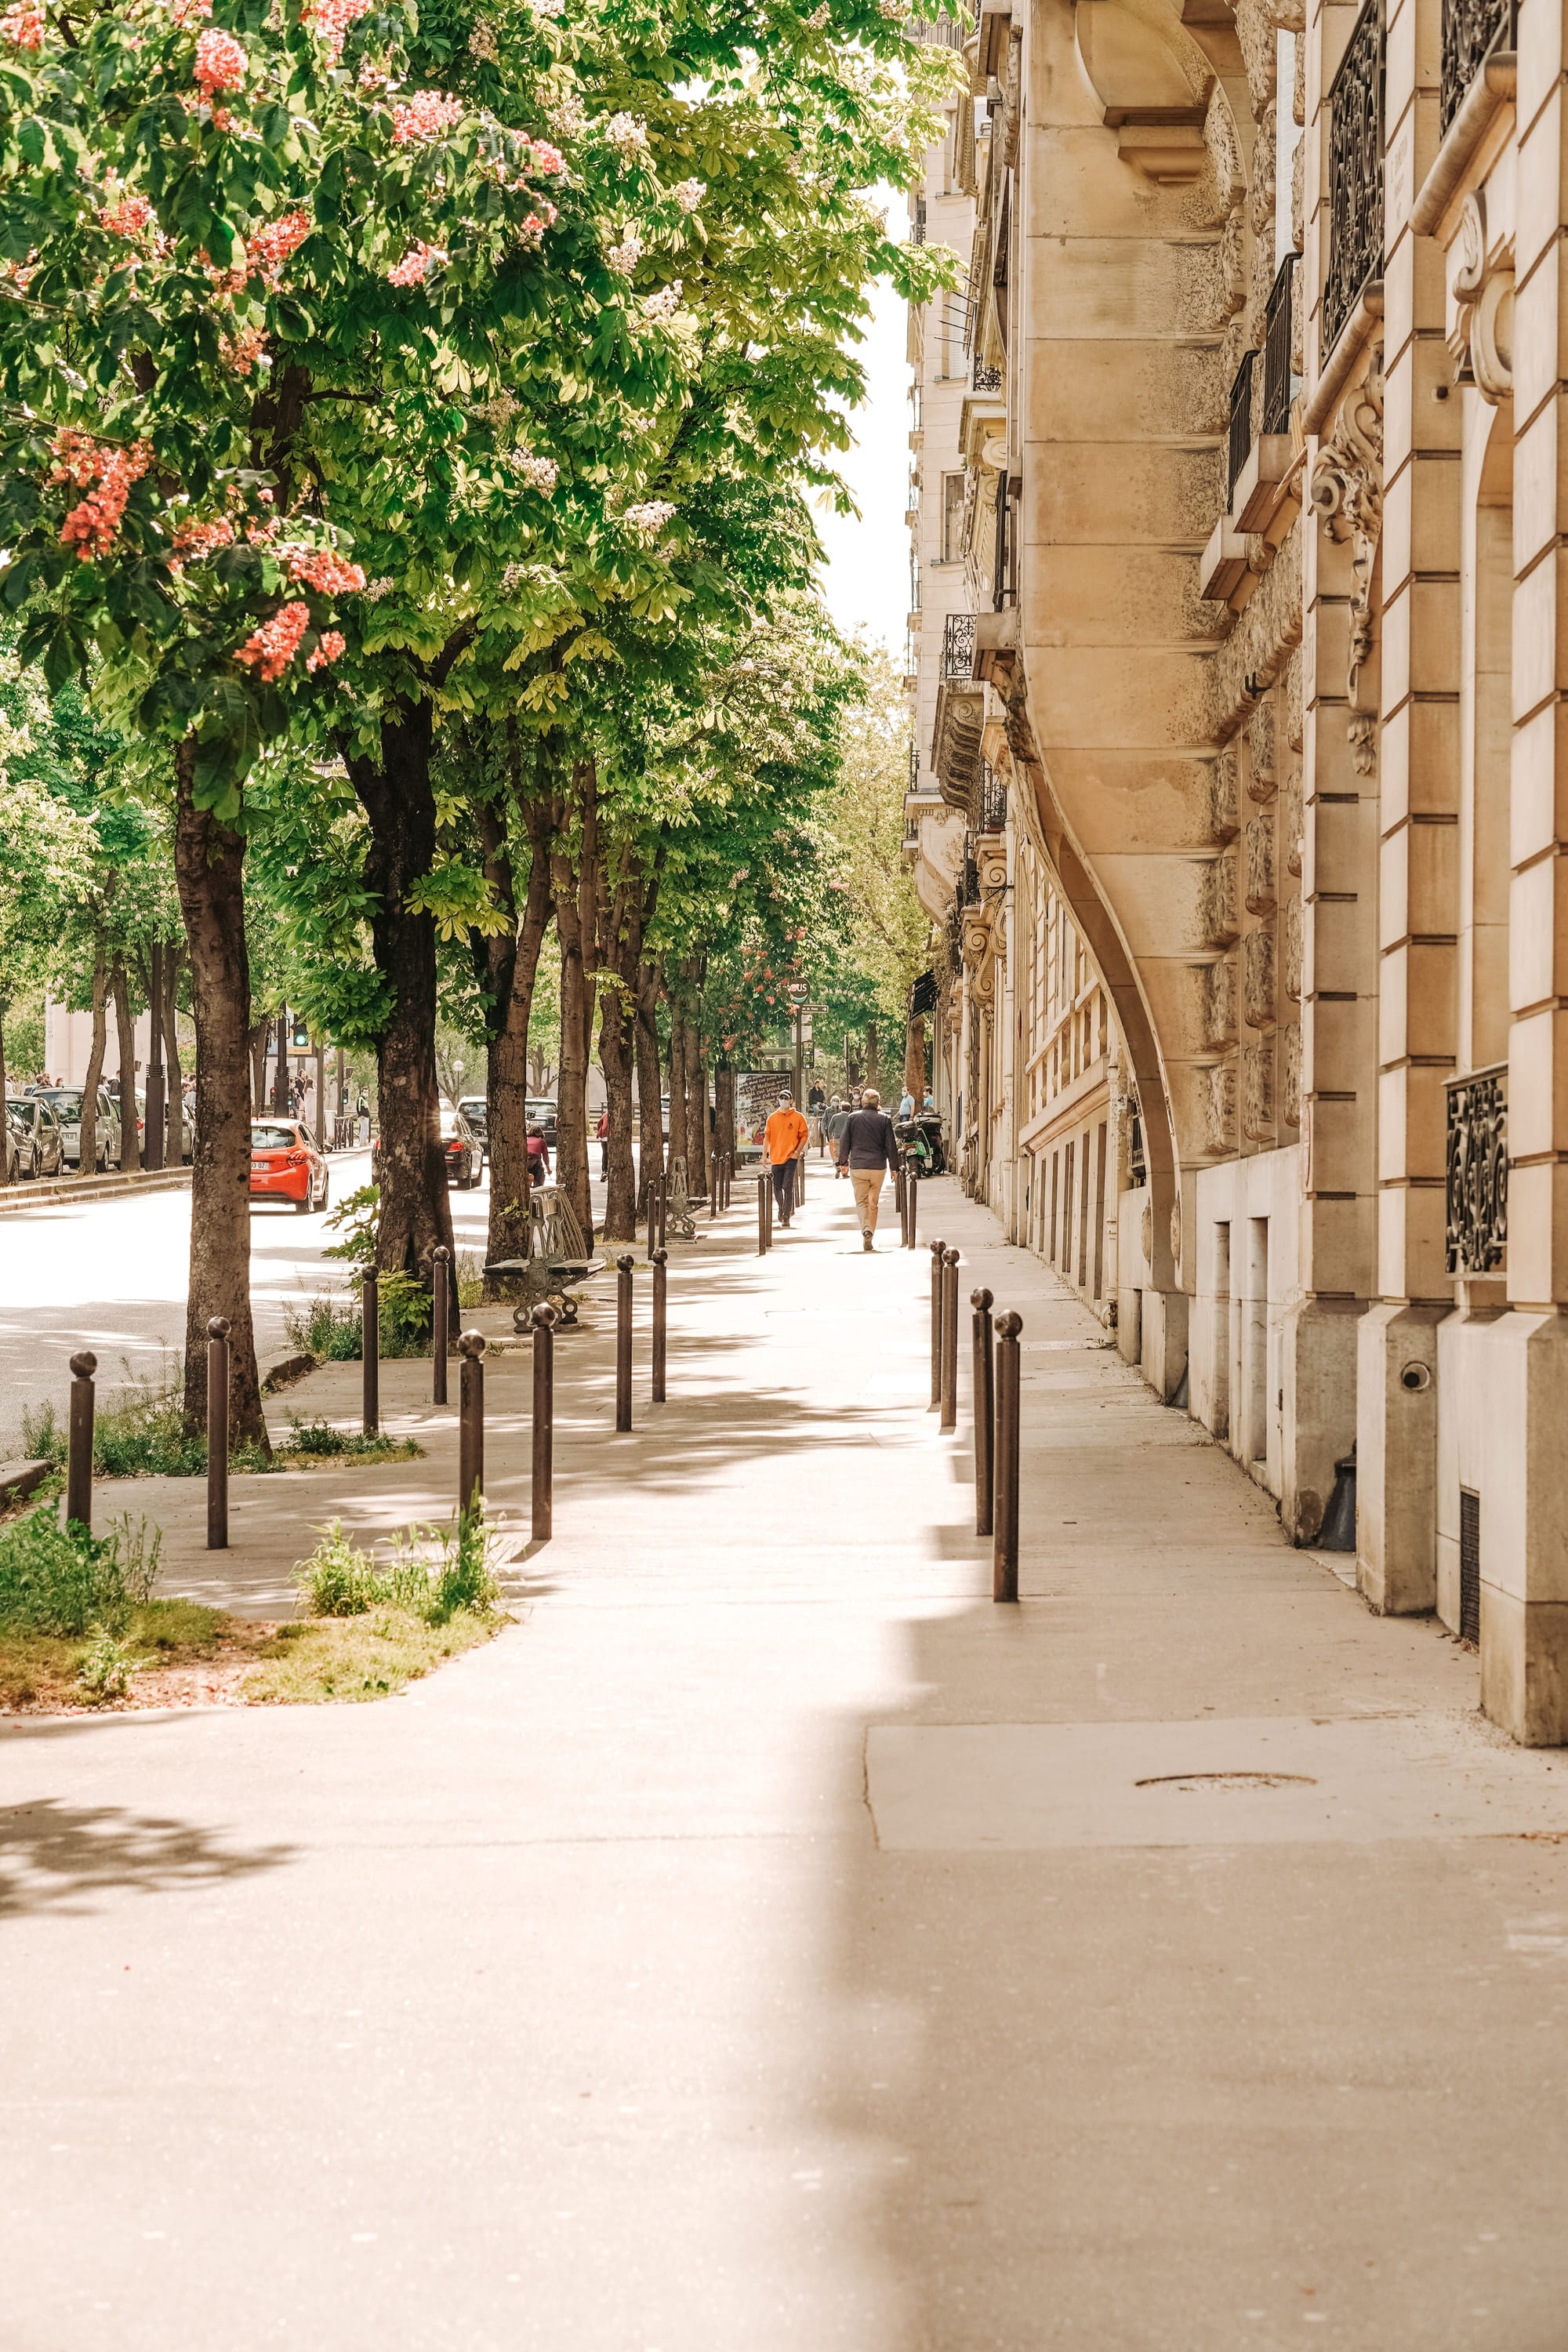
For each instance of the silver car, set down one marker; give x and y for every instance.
(65, 1104)
(38, 1134)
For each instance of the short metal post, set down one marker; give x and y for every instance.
(762, 1216)
(664, 1208)
(914, 1194)
(937, 1251)
(800, 1180)
(624, 1342)
(950, 1339)
(660, 1312)
(217, 1433)
(471, 1419)
(985, 1410)
(541, 1500)
(1004, 1542)
(768, 1202)
(440, 1302)
(78, 1463)
(369, 1351)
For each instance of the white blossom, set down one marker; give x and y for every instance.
(665, 303)
(626, 135)
(547, 7)
(624, 257)
(377, 588)
(512, 577)
(568, 117)
(690, 194)
(498, 411)
(649, 518)
(482, 44)
(540, 473)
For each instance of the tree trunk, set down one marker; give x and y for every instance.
(280, 1068)
(209, 866)
(125, 1033)
(915, 1058)
(620, 952)
(516, 973)
(87, 1156)
(651, 1115)
(724, 1111)
(155, 1123)
(415, 1213)
(696, 1113)
(174, 1137)
(258, 1045)
(677, 1086)
(576, 897)
(871, 1078)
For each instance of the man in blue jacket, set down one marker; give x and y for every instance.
(867, 1149)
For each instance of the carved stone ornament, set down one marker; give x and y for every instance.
(1232, 262)
(1220, 1110)
(1347, 491)
(1481, 339)
(1257, 1090)
(1258, 979)
(1224, 815)
(1261, 775)
(1220, 1002)
(1292, 928)
(1291, 844)
(1218, 920)
(1260, 865)
(1291, 1076)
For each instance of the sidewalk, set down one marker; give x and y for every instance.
(767, 1944)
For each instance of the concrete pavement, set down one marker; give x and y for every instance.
(769, 1942)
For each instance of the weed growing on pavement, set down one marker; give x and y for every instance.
(328, 1328)
(320, 1441)
(138, 1432)
(433, 1575)
(470, 1279)
(107, 1667)
(62, 1580)
(339, 1661)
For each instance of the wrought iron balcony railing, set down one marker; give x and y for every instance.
(1476, 1205)
(986, 379)
(993, 800)
(1355, 174)
(958, 646)
(969, 874)
(1240, 447)
(1472, 29)
(1280, 386)
(918, 226)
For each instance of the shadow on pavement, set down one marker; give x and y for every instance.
(58, 1858)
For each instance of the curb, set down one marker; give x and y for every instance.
(54, 1188)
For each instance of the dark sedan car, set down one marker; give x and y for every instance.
(40, 1148)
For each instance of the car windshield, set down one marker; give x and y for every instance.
(272, 1138)
(542, 1110)
(453, 1123)
(65, 1101)
(474, 1106)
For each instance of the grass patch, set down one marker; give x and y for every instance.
(139, 1432)
(65, 1581)
(319, 1441)
(338, 1661)
(50, 1670)
(330, 1327)
(433, 1575)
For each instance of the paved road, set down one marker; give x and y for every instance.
(110, 1275)
(769, 1942)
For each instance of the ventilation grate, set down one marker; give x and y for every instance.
(1469, 1566)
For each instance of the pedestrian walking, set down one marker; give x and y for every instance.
(786, 1136)
(870, 1152)
(603, 1132)
(837, 1120)
(906, 1105)
(537, 1155)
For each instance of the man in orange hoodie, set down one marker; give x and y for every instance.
(787, 1135)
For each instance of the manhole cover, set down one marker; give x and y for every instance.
(1228, 1780)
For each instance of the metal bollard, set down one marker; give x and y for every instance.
(471, 1419)
(762, 1216)
(899, 1201)
(985, 1410)
(440, 1304)
(949, 1339)
(664, 1208)
(541, 1507)
(369, 1351)
(217, 1433)
(78, 1463)
(800, 1180)
(624, 1342)
(1005, 1541)
(660, 1316)
(912, 1192)
(937, 1252)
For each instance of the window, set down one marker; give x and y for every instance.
(952, 518)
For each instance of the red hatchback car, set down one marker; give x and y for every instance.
(285, 1165)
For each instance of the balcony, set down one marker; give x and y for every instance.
(1476, 1209)
(986, 379)
(1256, 464)
(1240, 442)
(1473, 30)
(958, 646)
(993, 799)
(1280, 383)
(1355, 175)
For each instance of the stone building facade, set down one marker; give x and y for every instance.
(1265, 662)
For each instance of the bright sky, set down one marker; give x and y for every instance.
(867, 578)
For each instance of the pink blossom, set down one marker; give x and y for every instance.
(127, 216)
(194, 540)
(221, 63)
(424, 116)
(270, 248)
(106, 473)
(188, 11)
(23, 24)
(416, 264)
(271, 647)
(545, 159)
(330, 19)
(242, 349)
(322, 568)
(329, 646)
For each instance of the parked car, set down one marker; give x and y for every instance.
(66, 1103)
(475, 1110)
(285, 1165)
(39, 1150)
(541, 1113)
(461, 1149)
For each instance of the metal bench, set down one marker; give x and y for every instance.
(558, 1255)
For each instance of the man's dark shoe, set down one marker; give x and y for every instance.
(868, 1241)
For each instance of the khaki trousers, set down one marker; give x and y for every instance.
(867, 1184)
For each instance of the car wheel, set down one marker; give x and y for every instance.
(302, 1205)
